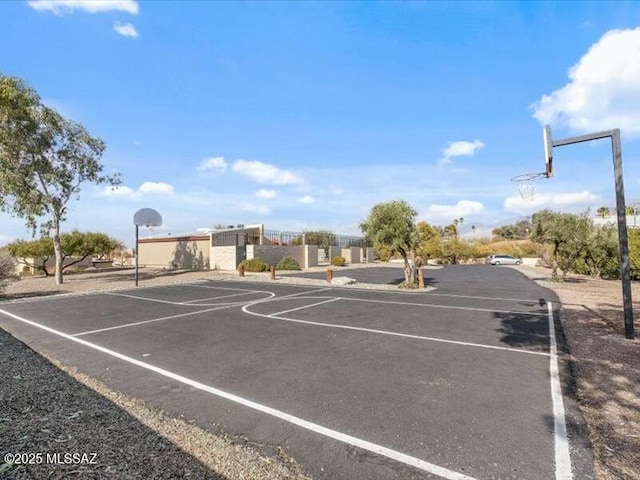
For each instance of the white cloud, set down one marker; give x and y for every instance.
(213, 164)
(118, 192)
(93, 6)
(125, 29)
(603, 91)
(308, 199)
(460, 148)
(4, 239)
(265, 194)
(147, 188)
(157, 188)
(549, 200)
(252, 208)
(266, 173)
(446, 213)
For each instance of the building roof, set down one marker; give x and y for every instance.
(633, 221)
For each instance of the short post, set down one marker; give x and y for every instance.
(241, 270)
(329, 275)
(420, 278)
(273, 272)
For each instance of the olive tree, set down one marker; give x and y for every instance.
(392, 225)
(44, 158)
(568, 234)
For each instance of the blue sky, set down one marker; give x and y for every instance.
(304, 115)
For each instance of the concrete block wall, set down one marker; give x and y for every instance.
(226, 258)
(367, 255)
(310, 256)
(351, 254)
(334, 252)
(272, 254)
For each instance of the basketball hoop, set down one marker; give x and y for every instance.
(526, 184)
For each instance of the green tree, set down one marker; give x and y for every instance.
(429, 240)
(7, 268)
(629, 210)
(87, 244)
(76, 244)
(321, 238)
(519, 231)
(33, 253)
(567, 233)
(603, 212)
(392, 224)
(454, 250)
(602, 254)
(44, 159)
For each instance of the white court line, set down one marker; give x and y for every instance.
(433, 305)
(314, 427)
(116, 327)
(306, 306)
(191, 302)
(271, 299)
(187, 304)
(142, 298)
(217, 307)
(432, 294)
(213, 287)
(386, 332)
(562, 456)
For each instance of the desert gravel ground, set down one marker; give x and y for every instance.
(606, 367)
(139, 442)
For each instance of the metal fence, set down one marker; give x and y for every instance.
(319, 238)
(281, 237)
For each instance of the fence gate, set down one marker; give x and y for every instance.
(324, 255)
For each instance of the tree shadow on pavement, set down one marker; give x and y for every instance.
(519, 330)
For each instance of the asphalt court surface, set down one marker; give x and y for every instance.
(355, 384)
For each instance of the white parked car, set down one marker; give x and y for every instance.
(504, 260)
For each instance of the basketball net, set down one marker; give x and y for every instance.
(527, 190)
(526, 184)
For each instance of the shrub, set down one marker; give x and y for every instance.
(7, 269)
(255, 265)
(338, 261)
(288, 263)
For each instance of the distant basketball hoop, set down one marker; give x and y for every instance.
(145, 217)
(526, 184)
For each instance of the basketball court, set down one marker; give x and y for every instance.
(465, 382)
